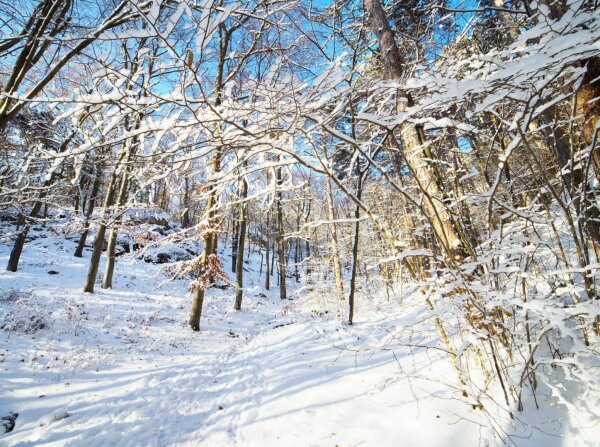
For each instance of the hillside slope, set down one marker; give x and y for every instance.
(121, 367)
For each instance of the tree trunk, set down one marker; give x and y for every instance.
(308, 260)
(185, 218)
(306, 207)
(91, 203)
(444, 226)
(588, 106)
(95, 259)
(249, 238)
(15, 254)
(99, 240)
(267, 263)
(297, 248)
(210, 249)
(273, 251)
(234, 245)
(199, 289)
(355, 251)
(196, 312)
(337, 263)
(240, 252)
(280, 237)
(112, 239)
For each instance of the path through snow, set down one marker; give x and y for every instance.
(129, 372)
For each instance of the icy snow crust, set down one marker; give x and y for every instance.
(121, 367)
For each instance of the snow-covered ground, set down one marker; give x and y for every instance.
(122, 368)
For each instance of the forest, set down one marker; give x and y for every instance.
(303, 222)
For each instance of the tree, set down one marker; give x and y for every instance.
(241, 240)
(443, 222)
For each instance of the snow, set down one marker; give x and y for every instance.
(121, 367)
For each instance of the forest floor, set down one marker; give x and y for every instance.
(121, 367)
